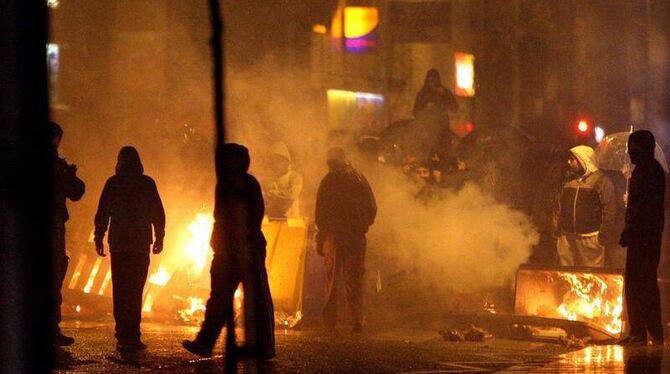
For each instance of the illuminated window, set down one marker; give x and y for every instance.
(360, 28)
(465, 74)
(53, 3)
(53, 59)
(359, 111)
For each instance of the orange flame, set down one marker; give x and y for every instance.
(591, 300)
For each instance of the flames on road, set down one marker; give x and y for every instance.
(593, 296)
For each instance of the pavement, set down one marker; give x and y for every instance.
(388, 351)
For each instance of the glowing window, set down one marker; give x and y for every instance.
(360, 27)
(465, 74)
(53, 3)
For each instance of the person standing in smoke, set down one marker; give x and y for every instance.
(642, 234)
(130, 206)
(431, 112)
(239, 257)
(66, 185)
(586, 212)
(284, 191)
(345, 209)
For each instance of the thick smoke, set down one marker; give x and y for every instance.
(465, 241)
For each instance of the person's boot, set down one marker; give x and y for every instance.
(196, 348)
(61, 340)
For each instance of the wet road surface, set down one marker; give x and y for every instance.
(398, 351)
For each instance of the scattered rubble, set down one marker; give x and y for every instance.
(474, 334)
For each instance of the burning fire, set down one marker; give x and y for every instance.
(590, 299)
(161, 276)
(197, 246)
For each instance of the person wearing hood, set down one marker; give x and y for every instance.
(283, 192)
(433, 95)
(345, 209)
(642, 235)
(586, 212)
(66, 185)
(129, 206)
(239, 257)
(431, 112)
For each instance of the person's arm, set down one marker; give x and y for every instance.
(157, 217)
(102, 217)
(74, 187)
(370, 201)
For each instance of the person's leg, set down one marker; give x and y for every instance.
(634, 290)
(224, 282)
(652, 317)
(259, 312)
(354, 269)
(590, 252)
(332, 262)
(138, 267)
(565, 251)
(122, 274)
(59, 267)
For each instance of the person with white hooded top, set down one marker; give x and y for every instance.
(586, 212)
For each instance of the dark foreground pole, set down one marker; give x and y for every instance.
(25, 263)
(220, 128)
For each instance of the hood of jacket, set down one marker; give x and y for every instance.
(586, 157)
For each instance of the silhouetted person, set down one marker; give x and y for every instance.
(431, 112)
(586, 212)
(434, 96)
(239, 257)
(345, 209)
(66, 185)
(130, 205)
(645, 217)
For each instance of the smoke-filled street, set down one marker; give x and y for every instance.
(402, 186)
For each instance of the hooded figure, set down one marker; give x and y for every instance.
(586, 212)
(130, 206)
(431, 112)
(284, 191)
(345, 209)
(239, 257)
(66, 185)
(645, 218)
(433, 95)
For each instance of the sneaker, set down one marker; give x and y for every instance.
(61, 340)
(196, 348)
(632, 341)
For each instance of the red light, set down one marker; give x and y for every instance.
(583, 126)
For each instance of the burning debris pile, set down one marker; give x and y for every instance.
(593, 296)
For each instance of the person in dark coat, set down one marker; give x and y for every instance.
(130, 206)
(239, 257)
(433, 95)
(66, 185)
(642, 234)
(431, 129)
(345, 209)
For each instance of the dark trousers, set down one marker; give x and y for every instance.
(344, 258)
(226, 275)
(59, 268)
(643, 301)
(129, 274)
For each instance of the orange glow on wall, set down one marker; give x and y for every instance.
(465, 74)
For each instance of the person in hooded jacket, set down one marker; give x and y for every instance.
(239, 257)
(586, 213)
(345, 209)
(642, 236)
(66, 185)
(284, 190)
(130, 206)
(431, 112)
